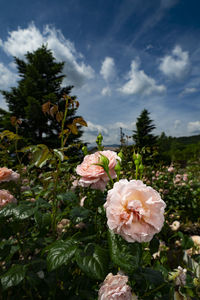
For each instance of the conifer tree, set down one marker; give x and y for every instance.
(40, 81)
(142, 135)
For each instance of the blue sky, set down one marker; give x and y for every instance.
(121, 56)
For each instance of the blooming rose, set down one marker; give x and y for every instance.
(94, 175)
(114, 287)
(8, 174)
(6, 197)
(134, 210)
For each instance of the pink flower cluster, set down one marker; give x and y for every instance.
(180, 179)
(134, 210)
(93, 175)
(5, 198)
(115, 287)
(8, 175)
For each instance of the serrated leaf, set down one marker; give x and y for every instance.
(7, 211)
(19, 212)
(93, 261)
(13, 276)
(22, 212)
(61, 253)
(125, 255)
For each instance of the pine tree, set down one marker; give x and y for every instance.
(41, 81)
(142, 135)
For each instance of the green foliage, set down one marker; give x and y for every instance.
(125, 255)
(55, 242)
(41, 81)
(61, 252)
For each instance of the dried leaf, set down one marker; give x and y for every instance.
(46, 107)
(53, 110)
(80, 121)
(59, 116)
(73, 128)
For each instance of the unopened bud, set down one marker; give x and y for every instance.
(120, 154)
(104, 161)
(85, 150)
(118, 168)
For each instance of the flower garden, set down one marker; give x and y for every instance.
(100, 227)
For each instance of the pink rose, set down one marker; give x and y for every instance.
(134, 210)
(94, 175)
(8, 175)
(5, 198)
(185, 177)
(114, 287)
(171, 169)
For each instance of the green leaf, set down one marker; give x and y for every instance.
(93, 261)
(20, 212)
(7, 211)
(68, 197)
(13, 276)
(61, 253)
(153, 276)
(125, 255)
(59, 154)
(79, 214)
(41, 157)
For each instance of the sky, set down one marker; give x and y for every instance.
(121, 56)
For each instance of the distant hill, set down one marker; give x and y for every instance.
(188, 139)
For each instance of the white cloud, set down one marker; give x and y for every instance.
(175, 65)
(8, 78)
(106, 91)
(110, 132)
(177, 123)
(140, 83)
(123, 125)
(190, 90)
(108, 70)
(194, 127)
(29, 39)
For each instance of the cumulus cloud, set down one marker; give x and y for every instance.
(8, 78)
(106, 91)
(29, 39)
(140, 83)
(110, 132)
(194, 127)
(175, 65)
(123, 125)
(108, 70)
